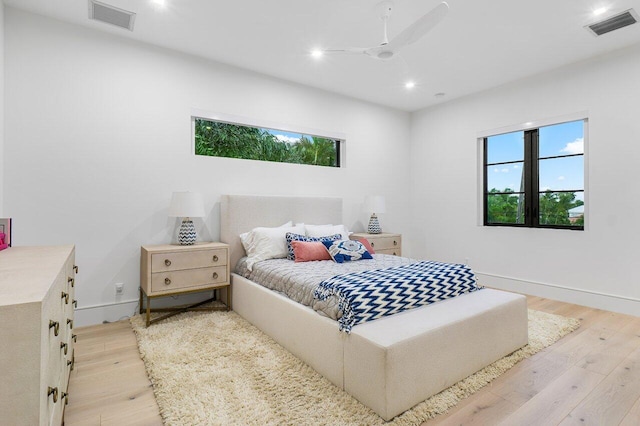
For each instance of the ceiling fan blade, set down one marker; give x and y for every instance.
(346, 50)
(419, 28)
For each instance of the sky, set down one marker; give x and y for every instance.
(555, 174)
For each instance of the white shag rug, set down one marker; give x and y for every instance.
(215, 368)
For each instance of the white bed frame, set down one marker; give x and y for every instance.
(390, 364)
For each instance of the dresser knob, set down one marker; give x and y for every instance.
(75, 303)
(71, 281)
(372, 244)
(70, 323)
(167, 262)
(215, 275)
(75, 268)
(65, 296)
(215, 258)
(395, 254)
(65, 396)
(75, 338)
(64, 347)
(167, 281)
(55, 325)
(395, 243)
(54, 392)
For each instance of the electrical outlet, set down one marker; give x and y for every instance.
(119, 288)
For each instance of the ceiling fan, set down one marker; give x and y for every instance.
(414, 32)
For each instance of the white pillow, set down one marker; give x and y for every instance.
(243, 237)
(325, 230)
(267, 243)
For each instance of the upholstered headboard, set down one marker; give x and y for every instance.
(242, 213)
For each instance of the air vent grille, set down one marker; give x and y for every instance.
(616, 22)
(111, 15)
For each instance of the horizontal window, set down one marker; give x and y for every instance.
(535, 178)
(220, 139)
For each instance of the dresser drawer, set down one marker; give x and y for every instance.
(201, 277)
(385, 243)
(187, 260)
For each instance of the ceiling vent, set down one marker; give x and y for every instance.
(616, 22)
(111, 15)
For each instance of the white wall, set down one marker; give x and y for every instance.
(1, 107)
(98, 135)
(594, 267)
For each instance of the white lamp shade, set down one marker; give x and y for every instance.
(375, 204)
(186, 204)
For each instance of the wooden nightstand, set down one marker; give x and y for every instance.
(168, 270)
(383, 243)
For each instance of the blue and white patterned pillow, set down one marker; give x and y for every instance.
(346, 250)
(297, 237)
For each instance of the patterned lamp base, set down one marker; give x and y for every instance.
(187, 233)
(374, 225)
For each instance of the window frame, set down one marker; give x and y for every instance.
(531, 172)
(339, 137)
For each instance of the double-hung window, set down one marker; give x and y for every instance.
(535, 177)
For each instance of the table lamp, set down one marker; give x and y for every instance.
(374, 204)
(186, 205)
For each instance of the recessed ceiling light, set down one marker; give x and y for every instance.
(410, 84)
(599, 11)
(317, 53)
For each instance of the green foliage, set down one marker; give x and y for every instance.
(235, 141)
(508, 207)
(505, 207)
(555, 206)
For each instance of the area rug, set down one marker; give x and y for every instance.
(214, 368)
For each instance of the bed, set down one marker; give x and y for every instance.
(389, 364)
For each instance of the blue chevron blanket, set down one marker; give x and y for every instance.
(365, 296)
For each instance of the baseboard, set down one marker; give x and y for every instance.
(593, 299)
(115, 311)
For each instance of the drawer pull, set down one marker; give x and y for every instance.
(215, 257)
(75, 338)
(395, 243)
(70, 323)
(64, 347)
(56, 327)
(70, 363)
(167, 281)
(372, 244)
(215, 275)
(395, 254)
(75, 303)
(54, 392)
(167, 262)
(75, 268)
(71, 281)
(65, 296)
(65, 396)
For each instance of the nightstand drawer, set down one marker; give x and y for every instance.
(201, 277)
(385, 243)
(395, 251)
(187, 260)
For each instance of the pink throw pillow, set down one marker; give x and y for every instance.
(367, 245)
(308, 251)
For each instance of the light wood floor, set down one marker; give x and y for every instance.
(590, 377)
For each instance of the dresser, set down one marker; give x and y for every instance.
(37, 286)
(169, 270)
(384, 243)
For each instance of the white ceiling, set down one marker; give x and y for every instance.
(479, 45)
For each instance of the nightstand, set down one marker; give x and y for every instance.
(384, 243)
(169, 270)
